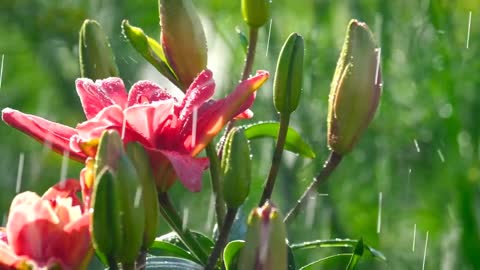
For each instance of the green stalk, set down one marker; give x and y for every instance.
(252, 46)
(216, 177)
(276, 160)
(222, 239)
(170, 214)
(328, 167)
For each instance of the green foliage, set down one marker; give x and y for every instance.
(430, 97)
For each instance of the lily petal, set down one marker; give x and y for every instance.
(57, 136)
(213, 116)
(198, 93)
(188, 169)
(64, 189)
(146, 92)
(103, 93)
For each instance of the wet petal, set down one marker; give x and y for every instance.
(146, 92)
(150, 120)
(198, 93)
(189, 170)
(64, 189)
(7, 256)
(55, 135)
(213, 116)
(108, 118)
(101, 94)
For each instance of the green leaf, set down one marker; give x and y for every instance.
(334, 243)
(294, 143)
(172, 238)
(171, 263)
(162, 248)
(291, 260)
(334, 259)
(231, 253)
(150, 49)
(356, 256)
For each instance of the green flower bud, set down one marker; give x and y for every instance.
(287, 84)
(96, 56)
(106, 222)
(127, 192)
(150, 49)
(255, 12)
(265, 245)
(236, 168)
(355, 89)
(183, 39)
(139, 157)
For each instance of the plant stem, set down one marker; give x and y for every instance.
(112, 264)
(328, 167)
(216, 178)
(276, 160)
(252, 46)
(171, 216)
(222, 238)
(141, 262)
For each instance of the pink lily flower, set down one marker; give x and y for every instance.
(151, 116)
(43, 232)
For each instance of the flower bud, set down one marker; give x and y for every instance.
(287, 84)
(126, 194)
(140, 160)
(183, 39)
(355, 89)
(96, 56)
(236, 168)
(255, 12)
(265, 247)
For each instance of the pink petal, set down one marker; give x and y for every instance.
(213, 116)
(146, 92)
(7, 257)
(188, 169)
(108, 118)
(151, 121)
(53, 134)
(101, 94)
(198, 93)
(64, 189)
(75, 245)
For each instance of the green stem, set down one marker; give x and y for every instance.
(222, 238)
(112, 264)
(216, 178)
(328, 167)
(170, 214)
(276, 160)
(141, 262)
(252, 46)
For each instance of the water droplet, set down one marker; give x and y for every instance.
(20, 172)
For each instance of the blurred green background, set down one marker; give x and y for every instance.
(421, 152)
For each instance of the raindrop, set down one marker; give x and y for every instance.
(133, 60)
(20, 172)
(414, 236)
(425, 252)
(440, 154)
(185, 219)
(377, 70)
(194, 126)
(416, 145)
(269, 36)
(379, 217)
(1, 70)
(469, 28)
(4, 220)
(310, 211)
(64, 168)
(124, 125)
(138, 196)
(211, 207)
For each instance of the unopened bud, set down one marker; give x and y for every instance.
(265, 247)
(126, 194)
(140, 160)
(255, 12)
(236, 168)
(355, 89)
(96, 56)
(183, 39)
(287, 85)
